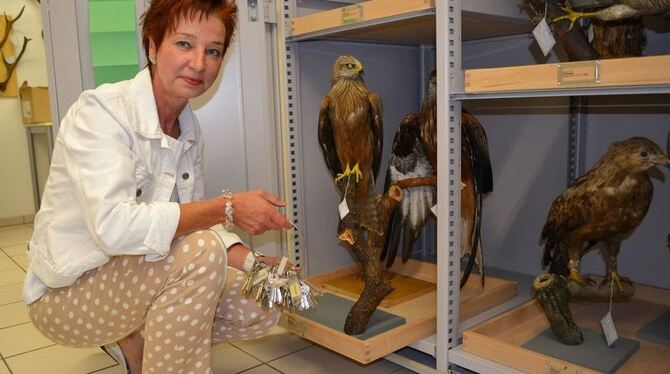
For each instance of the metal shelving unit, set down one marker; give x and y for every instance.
(445, 24)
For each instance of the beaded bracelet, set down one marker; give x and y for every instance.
(228, 210)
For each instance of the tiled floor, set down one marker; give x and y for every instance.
(23, 350)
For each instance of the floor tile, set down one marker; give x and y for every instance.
(6, 263)
(319, 360)
(263, 369)
(11, 294)
(14, 235)
(13, 276)
(228, 359)
(13, 314)
(22, 260)
(279, 342)
(20, 339)
(60, 360)
(15, 250)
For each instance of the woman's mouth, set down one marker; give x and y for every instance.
(193, 82)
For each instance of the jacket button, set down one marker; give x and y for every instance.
(138, 193)
(185, 176)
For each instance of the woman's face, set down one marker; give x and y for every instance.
(189, 59)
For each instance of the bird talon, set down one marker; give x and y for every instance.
(357, 173)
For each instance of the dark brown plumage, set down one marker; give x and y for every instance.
(351, 135)
(602, 208)
(476, 172)
(622, 9)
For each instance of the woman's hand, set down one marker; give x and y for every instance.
(256, 212)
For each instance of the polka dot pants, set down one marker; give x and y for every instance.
(186, 302)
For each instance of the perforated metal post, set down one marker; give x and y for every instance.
(449, 79)
(577, 137)
(296, 241)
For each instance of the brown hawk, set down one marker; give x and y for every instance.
(351, 137)
(476, 173)
(601, 208)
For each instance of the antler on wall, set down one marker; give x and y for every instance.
(9, 67)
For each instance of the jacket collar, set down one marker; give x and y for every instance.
(146, 114)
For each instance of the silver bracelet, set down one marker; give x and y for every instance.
(228, 210)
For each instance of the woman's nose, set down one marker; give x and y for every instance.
(197, 61)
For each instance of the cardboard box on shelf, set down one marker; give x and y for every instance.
(34, 104)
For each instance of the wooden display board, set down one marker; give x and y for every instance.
(420, 312)
(621, 72)
(501, 339)
(366, 11)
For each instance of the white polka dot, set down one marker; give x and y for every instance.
(170, 259)
(201, 243)
(202, 270)
(190, 267)
(188, 301)
(135, 279)
(157, 348)
(170, 309)
(253, 315)
(186, 248)
(213, 275)
(198, 306)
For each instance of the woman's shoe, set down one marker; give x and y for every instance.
(115, 352)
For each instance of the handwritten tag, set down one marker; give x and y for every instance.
(343, 208)
(544, 37)
(434, 210)
(608, 328)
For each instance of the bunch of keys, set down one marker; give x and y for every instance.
(278, 285)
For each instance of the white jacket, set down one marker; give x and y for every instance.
(109, 187)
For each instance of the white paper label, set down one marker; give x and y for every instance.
(434, 210)
(544, 37)
(343, 208)
(27, 109)
(608, 328)
(282, 265)
(589, 33)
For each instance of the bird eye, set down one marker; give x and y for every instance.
(644, 154)
(350, 66)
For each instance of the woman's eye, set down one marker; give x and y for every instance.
(214, 52)
(183, 44)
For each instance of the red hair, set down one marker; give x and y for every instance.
(164, 15)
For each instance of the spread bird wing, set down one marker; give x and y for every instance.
(376, 123)
(327, 139)
(408, 160)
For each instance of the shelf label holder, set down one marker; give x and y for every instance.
(580, 73)
(352, 14)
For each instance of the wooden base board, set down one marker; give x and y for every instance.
(405, 288)
(420, 313)
(500, 339)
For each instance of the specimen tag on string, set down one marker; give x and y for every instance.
(589, 33)
(544, 37)
(282, 265)
(260, 276)
(608, 328)
(434, 210)
(343, 208)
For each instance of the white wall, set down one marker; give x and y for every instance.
(16, 194)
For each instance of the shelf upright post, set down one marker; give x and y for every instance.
(449, 80)
(289, 114)
(577, 132)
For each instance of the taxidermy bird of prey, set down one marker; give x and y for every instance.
(621, 9)
(476, 180)
(408, 160)
(351, 137)
(601, 208)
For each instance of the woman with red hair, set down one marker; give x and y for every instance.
(122, 242)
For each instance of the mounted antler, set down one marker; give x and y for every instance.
(11, 66)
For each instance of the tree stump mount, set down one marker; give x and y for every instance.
(554, 292)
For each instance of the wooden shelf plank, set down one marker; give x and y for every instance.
(501, 339)
(362, 12)
(420, 312)
(622, 72)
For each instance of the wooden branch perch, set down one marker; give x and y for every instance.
(367, 246)
(554, 293)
